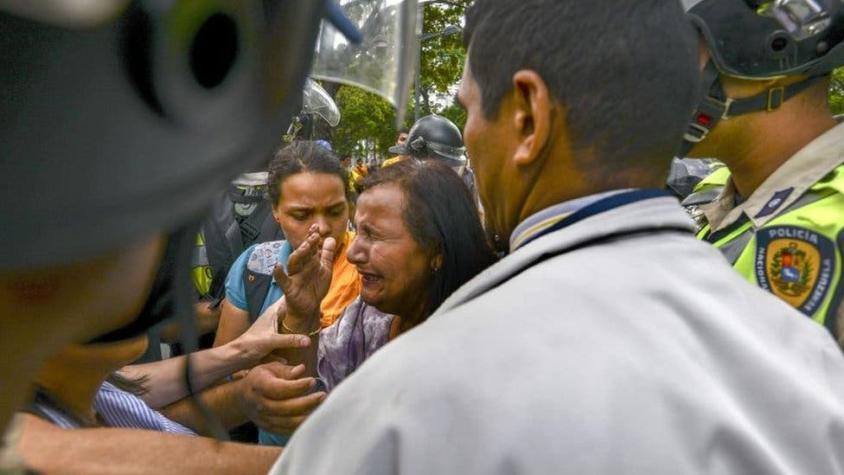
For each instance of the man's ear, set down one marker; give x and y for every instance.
(532, 105)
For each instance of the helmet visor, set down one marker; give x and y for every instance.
(316, 101)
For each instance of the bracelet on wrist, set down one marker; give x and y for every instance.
(311, 334)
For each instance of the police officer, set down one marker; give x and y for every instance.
(609, 340)
(120, 120)
(436, 137)
(780, 215)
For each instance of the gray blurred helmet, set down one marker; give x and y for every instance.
(434, 136)
(764, 39)
(123, 118)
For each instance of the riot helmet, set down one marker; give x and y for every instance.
(762, 40)
(757, 39)
(434, 136)
(124, 118)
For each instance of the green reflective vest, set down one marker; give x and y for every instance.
(797, 255)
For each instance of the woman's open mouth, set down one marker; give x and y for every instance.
(369, 278)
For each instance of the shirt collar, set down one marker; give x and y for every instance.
(538, 222)
(785, 186)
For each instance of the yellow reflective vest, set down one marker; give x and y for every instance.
(787, 238)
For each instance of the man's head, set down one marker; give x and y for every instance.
(568, 98)
(433, 137)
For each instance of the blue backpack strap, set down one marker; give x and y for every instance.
(257, 286)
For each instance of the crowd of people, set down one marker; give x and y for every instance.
(526, 295)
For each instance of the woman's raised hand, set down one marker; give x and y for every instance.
(306, 281)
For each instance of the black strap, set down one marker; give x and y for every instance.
(716, 106)
(257, 287)
(226, 238)
(258, 223)
(770, 100)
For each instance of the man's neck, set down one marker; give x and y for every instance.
(18, 336)
(767, 143)
(547, 191)
(74, 382)
(16, 383)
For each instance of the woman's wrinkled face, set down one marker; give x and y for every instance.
(395, 270)
(309, 198)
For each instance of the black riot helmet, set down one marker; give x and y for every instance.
(762, 40)
(434, 136)
(757, 39)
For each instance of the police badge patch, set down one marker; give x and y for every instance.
(796, 265)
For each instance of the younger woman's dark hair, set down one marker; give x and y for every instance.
(303, 156)
(441, 215)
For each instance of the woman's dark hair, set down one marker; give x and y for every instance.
(303, 156)
(443, 219)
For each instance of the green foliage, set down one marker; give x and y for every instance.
(443, 56)
(454, 113)
(367, 124)
(836, 92)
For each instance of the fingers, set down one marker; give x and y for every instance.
(280, 424)
(280, 276)
(298, 406)
(300, 257)
(329, 248)
(284, 371)
(280, 389)
(287, 341)
(278, 381)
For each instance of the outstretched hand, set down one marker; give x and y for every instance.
(278, 397)
(263, 338)
(307, 279)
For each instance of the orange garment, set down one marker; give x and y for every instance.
(345, 286)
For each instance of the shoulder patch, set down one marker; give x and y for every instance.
(795, 264)
(264, 257)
